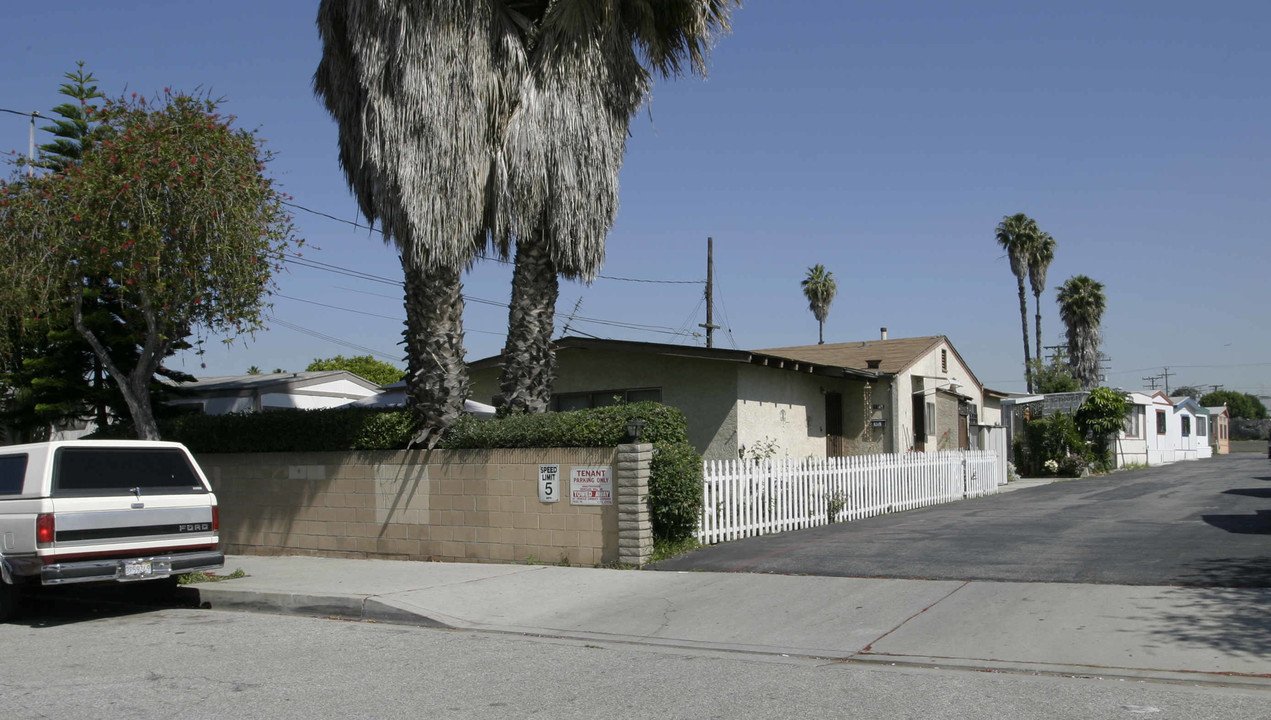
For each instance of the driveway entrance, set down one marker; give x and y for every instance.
(1205, 522)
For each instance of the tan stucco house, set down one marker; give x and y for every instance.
(885, 395)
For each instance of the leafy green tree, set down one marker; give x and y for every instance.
(253, 370)
(365, 366)
(54, 375)
(1081, 305)
(1017, 235)
(1239, 405)
(1188, 391)
(819, 288)
(1054, 377)
(1040, 255)
(1101, 417)
(170, 212)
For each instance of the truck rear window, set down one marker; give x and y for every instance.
(123, 471)
(12, 473)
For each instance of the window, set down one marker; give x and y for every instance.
(1201, 427)
(1187, 425)
(12, 473)
(1160, 422)
(604, 398)
(929, 418)
(1134, 422)
(123, 471)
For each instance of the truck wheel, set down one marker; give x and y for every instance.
(9, 599)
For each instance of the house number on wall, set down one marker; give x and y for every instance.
(549, 483)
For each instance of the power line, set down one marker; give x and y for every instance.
(487, 257)
(318, 265)
(331, 339)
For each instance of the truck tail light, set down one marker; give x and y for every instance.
(216, 518)
(44, 529)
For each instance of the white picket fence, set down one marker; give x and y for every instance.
(745, 498)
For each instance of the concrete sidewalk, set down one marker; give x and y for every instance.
(1168, 633)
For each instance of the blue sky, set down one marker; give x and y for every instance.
(884, 141)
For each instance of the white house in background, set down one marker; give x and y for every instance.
(1132, 446)
(1151, 431)
(275, 391)
(1190, 430)
(394, 395)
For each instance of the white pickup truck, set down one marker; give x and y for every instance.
(102, 511)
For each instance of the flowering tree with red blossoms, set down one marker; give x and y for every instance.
(171, 210)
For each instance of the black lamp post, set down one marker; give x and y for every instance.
(634, 427)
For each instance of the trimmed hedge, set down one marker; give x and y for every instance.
(675, 483)
(598, 427)
(337, 429)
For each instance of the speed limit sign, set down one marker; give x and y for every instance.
(549, 483)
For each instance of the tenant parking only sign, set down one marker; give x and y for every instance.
(591, 486)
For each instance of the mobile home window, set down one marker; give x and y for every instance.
(1187, 426)
(1134, 422)
(1202, 427)
(1160, 422)
(929, 418)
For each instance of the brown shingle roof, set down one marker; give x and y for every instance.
(892, 355)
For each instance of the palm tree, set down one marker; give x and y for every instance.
(580, 76)
(1081, 306)
(819, 288)
(1017, 235)
(1043, 253)
(415, 90)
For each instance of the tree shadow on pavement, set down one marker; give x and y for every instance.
(1225, 609)
(1257, 524)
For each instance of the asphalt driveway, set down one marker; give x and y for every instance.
(1205, 522)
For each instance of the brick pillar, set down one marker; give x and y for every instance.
(635, 532)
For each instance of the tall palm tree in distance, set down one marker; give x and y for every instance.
(819, 288)
(1081, 305)
(1017, 234)
(581, 71)
(1043, 253)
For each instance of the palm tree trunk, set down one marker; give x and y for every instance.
(529, 365)
(1023, 321)
(1037, 304)
(820, 332)
(436, 376)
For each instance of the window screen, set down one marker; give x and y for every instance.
(12, 472)
(1160, 422)
(121, 471)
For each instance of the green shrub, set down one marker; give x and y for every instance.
(334, 429)
(597, 427)
(1051, 438)
(675, 491)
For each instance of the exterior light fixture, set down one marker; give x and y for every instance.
(634, 427)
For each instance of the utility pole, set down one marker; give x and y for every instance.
(1215, 388)
(1152, 380)
(1166, 375)
(710, 325)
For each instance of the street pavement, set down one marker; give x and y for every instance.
(1202, 523)
(1180, 634)
(1212, 633)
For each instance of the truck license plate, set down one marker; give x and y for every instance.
(137, 568)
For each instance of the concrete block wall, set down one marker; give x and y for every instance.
(456, 505)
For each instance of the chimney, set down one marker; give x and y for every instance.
(884, 332)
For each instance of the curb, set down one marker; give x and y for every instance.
(346, 607)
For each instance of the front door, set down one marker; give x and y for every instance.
(834, 443)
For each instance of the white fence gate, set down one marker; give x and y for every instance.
(745, 498)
